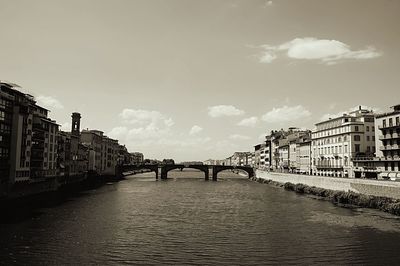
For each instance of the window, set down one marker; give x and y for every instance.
(26, 164)
(390, 122)
(2, 116)
(357, 138)
(384, 123)
(1, 138)
(373, 138)
(397, 124)
(368, 149)
(367, 138)
(357, 147)
(356, 128)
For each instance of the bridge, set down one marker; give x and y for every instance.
(124, 170)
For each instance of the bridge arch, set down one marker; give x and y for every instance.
(133, 167)
(219, 168)
(166, 168)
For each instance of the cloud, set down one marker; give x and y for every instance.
(224, 110)
(49, 102)
(248, 122)
(66, 127)
(141, 117)
(338, 114)
(195, 130)
(141, 125)
(326, 51)
(268, 3)
(238, 137)
(286, 114)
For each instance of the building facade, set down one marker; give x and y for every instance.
(336, 142)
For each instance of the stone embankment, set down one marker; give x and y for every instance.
(381, 195)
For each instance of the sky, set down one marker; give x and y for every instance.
(193, 80)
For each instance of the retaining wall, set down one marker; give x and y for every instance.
(364, 186)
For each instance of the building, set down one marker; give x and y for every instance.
(44, 144)
(262, 156)
(388, 143)
(15, 134)
(72, 154)
(337, 141)
(386, 163)
(136, 158)
(109, 156)
(123, 155)
(282, 155)
(93, 139)
(240, 159)
(28, 143)
(303, 155)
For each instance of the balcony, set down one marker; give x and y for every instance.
(323, 166)
(389, 136)
(362, 159)
(388, 126)
(385, 148)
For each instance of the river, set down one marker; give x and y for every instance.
(186, 220)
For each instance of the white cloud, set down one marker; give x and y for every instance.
(141, 117)
(224, 110)
(238, 137)
(326, 51)
(195, 130)
(286, 114)
(66, 127)
(49, 102)
(141, 125)
(268, 3)
(267, 57)
(338, 114)
(248, 122)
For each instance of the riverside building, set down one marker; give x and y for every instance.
(28, 144)
(262, 156)
(388, 143)
(386, 163)
(337, 141)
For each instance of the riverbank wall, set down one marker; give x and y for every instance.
(378, 188)
(381, 195)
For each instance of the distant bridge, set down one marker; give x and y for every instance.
(164, 169)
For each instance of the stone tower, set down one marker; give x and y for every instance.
(76, 124)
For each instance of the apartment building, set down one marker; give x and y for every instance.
(136, 158)
(337, 141)
(109, 156)
(28, 143)
(93, 139)
(303, 155)
(386, 163)
(44, 144)
(262, 156)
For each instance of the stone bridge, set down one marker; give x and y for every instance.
(164, 169)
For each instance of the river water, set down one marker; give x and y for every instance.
(186, 220)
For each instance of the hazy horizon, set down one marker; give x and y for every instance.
(193, 80)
